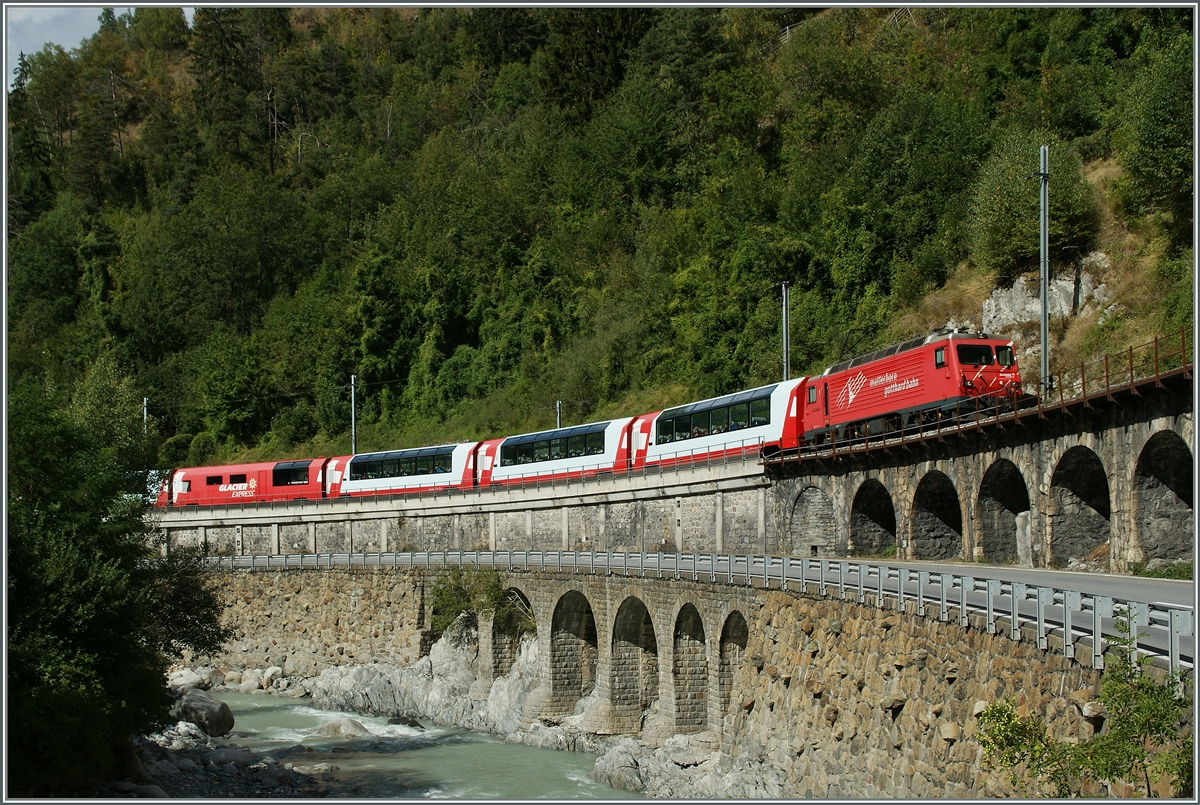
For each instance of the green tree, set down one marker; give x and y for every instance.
(92, 615)
(1005, 206)
(1157, 135)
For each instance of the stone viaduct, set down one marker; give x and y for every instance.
(1107, 479)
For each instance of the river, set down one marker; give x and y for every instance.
(398, 761)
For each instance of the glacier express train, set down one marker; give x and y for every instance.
(909, 385)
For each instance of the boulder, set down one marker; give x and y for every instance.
(319, 768)
(406, 721)
(184, 680)
(344, 728)
(270, 675)
(207, 713)
(233, 678)
(618, 767)
(251, 681)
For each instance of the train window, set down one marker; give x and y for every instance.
(186, 486)
(508, 455)
(700, 424)
(974, 354)
(213, 480)
(541, 450)
(739, 416)
(683, 427)
(760, 412)
(595, 443)
(576, 445)
(389, 468)
(718, 420)
(1005, 357)
(939, 357)
(812, 395)
(289, 476)
(441, 463)
(422, 465)
(405, 467)
(558, 449)
(237, 479)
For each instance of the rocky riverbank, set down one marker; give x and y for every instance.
(182, 762)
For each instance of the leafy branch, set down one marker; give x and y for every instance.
(1146, 736)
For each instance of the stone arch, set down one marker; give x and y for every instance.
(1079, 506)
(689, 671)
(1163, 502)
(734, 637)
(573, 652)
(1004, 512)
(936, 518)
(634, 687)
(507, 630)
(813, 528)
(872, 519)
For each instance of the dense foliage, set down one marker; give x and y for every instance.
(475, 591)
(93, 615)
(479, 212)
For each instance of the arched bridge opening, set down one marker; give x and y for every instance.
(635, 682)
(573, 652)
(1080, 508)
(689, 671)
(1004, 513)
(1165, 520)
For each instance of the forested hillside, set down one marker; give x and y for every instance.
(479, 212)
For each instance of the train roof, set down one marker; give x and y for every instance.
(903, 346)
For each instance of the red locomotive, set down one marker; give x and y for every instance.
(936, 378)
(908, 385)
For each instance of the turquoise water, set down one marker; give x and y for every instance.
(397, 761)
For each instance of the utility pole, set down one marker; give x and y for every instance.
(558, 413)
(145, 415)
(353, 425)
(1044, 383)
(787, 334)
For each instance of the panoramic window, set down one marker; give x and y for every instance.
(760, 412)
(715, 421)
(285, 475)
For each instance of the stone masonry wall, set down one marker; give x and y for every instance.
(307, 620)
(853, 702)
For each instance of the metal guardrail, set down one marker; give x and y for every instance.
(1162, 630)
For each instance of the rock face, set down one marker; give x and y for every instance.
(441, 686)
(210, 715)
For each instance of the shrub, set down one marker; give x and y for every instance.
(1146, 738)
(476, 590)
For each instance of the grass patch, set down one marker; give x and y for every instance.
(1179, 571)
